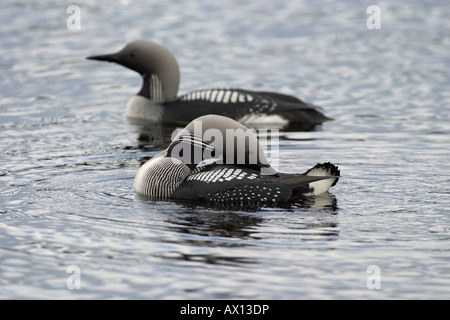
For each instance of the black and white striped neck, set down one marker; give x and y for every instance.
(152, 88)
(159, 177)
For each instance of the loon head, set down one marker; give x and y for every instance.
(221, 138)
(156, 64)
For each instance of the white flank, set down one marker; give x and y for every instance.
(263, 119)
(320, 186)
(142, 108)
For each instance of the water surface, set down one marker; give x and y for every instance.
(68, 157)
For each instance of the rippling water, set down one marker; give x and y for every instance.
(68, 157)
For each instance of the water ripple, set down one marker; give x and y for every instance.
(68, 157)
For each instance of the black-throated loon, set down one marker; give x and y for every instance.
(238, 170)
(157, 101)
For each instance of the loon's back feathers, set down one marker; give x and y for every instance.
(225, 183)
(245, 106)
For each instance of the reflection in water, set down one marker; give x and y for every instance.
(239, 226)
(215, 259)
(209, 228)
(326, 202)
(157, 136)
(217, 223)
(154, 137)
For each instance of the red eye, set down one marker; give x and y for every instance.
(132, 55)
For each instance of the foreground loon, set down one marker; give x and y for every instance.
(236, 172)
(157, 101)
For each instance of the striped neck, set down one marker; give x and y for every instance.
(160, 176)
(152, 88)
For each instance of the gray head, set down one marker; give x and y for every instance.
(156, 64)
(214, 136)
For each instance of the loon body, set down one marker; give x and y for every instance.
(158, 99)
(198, 167)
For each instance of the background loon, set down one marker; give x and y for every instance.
(157, 101)
(180, 171)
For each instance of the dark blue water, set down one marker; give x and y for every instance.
(72, 227)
